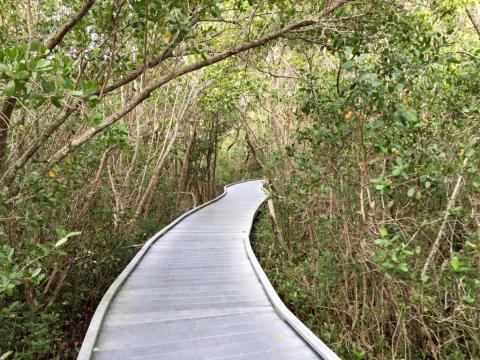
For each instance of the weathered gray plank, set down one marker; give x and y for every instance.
(198, 293)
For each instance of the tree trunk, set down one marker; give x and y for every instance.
(5, 116)
(271, 209)
(474, 21)
(156, 174)
(182, 184)
(276, 228)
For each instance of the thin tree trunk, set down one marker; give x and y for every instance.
(441, 232)
(88, 204)
(474, 21)
(271, 208)
(259, 162)
(276, 228)
(116, 196)
(5, 116)
(182, 184)
(156, 173)
(58, 286)
(213, 168)
(126, 181)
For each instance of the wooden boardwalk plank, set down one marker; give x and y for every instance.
(198, 293)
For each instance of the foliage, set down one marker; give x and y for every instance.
(371, 173)
(364, 120)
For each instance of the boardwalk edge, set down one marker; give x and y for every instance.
(281, 309)
(88, 346)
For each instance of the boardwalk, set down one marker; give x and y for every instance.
(198, 292)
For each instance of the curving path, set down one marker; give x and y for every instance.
(196, 291)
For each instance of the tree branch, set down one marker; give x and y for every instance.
(55, 38)
(474, 21)
(39, 141)
(166, 53)
(10, 102)
(148, 90)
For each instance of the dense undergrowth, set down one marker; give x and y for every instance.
(301, 286)
(49, 328)
(374, 175)
(311, 282)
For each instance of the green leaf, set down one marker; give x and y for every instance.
(22, 75)
(38, 99)
(56, 101)
(9, 289)
(397, 171)
(403, 267)
(61, 242)
(96, 117)
(383, 232)
(471, 244)
(77, 93)
(43, 64)
(48, 86)
(65, 238)
(382, 242)
(36, 272)
(73, 233)
(36, 45)
(36, 96)
(10, 88)
(411, 192)
(418, 195)
(467, 299)
(425, 278)
(455, 263)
